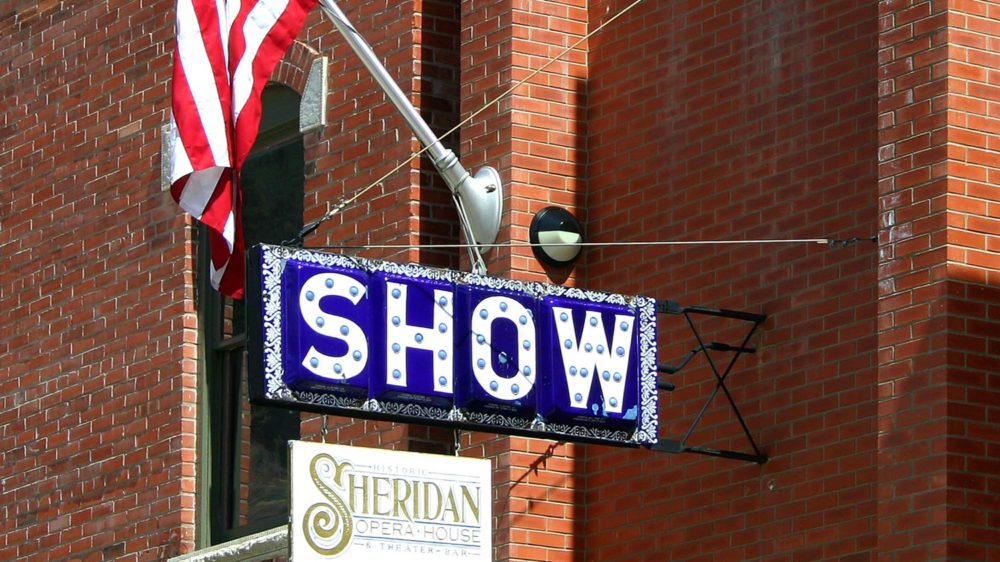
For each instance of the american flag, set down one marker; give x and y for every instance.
(226, 51)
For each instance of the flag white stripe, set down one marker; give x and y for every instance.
(229, 231)
(197, 68)
(259, 22)
(198, 191)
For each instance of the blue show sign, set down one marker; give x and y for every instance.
(374, 339)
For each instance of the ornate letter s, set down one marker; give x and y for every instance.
(328, 527)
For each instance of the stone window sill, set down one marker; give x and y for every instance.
(265, 545)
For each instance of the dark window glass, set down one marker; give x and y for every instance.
(249, 452)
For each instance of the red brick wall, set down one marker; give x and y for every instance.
(938, 275)
(730, 120)
(97, 357)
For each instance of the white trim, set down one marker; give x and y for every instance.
(260, 546)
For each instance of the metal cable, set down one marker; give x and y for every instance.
(828, 241)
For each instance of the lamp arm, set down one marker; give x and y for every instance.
(479, 197)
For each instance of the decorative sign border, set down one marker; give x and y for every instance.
(265, 314)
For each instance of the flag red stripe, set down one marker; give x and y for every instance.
(189, 123)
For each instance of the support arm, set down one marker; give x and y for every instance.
(479, 197)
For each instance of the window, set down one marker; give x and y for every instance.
(244, 447)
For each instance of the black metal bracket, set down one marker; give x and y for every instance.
(682, 446)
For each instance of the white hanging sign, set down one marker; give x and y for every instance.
(358, 504)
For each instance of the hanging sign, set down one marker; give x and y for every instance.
(354, 504)
(374, 339)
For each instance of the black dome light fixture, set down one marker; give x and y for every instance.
(555, 235)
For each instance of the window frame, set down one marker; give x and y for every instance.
(222, 384)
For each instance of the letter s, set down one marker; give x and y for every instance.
(315, 289)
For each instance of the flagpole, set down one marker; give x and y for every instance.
(479, 197)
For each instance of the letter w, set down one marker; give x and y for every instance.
(591, 356)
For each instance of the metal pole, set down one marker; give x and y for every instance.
(478, 195)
